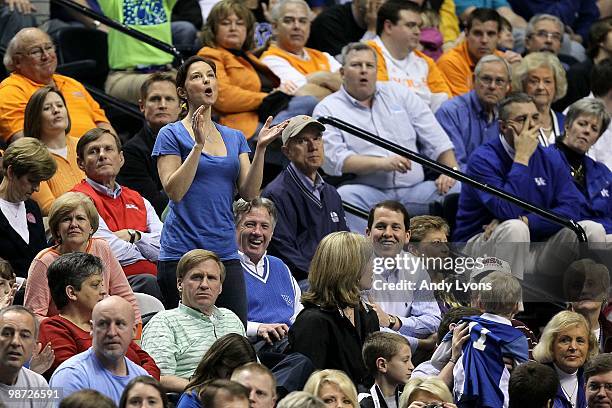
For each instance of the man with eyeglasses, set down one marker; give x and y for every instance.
(398, 30)
(598, 377)
(481, 36)
(516, 163)
(471, 119)
(308, 208)
(545, 33)
(31, 59)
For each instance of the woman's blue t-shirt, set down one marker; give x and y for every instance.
(203, 218)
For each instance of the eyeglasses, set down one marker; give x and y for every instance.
(546, 35)
(487, 81)
(37, 52)
(595, 387)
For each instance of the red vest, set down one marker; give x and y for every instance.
(126, 211)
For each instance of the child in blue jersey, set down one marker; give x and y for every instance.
(388, 358)
(481, 375)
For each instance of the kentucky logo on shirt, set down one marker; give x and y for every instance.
(131, 207)
(144, 12)
(539, 181)
(334, 216)
(605, 193)
(287, 299)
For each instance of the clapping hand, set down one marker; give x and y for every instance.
(7, 299)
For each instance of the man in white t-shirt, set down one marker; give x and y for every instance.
(398, 29)
(19, 386)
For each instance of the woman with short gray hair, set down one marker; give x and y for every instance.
(541, 76)
(587, 119)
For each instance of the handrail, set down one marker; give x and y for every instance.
(352, 209)
(154, 42)
(127, 108)
(457, 175)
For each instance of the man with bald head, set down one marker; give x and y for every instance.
(103, 367)
(31, 60)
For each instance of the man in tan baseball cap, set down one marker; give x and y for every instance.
(308, 208)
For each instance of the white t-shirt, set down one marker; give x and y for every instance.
(15, 214)
(31, 381)
(62, 152)
(413, 72)
(286, 72)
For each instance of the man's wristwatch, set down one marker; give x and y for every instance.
(392, 321)
(132, 235)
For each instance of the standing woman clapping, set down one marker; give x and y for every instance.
(200, 164)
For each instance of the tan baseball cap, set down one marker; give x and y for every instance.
(296, 124)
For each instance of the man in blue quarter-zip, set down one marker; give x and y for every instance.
(515, 163)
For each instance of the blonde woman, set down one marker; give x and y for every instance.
(541, 76)
(301, 399)
(567, 343)
(419, 392)
(73, 219)
(334, 387)
(334, 323)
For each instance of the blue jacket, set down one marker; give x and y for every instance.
(465, 122)
(543, 183)
(578, 14)
(595, 203)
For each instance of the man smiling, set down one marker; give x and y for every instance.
(273, 294)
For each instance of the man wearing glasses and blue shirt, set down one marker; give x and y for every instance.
(470, 119)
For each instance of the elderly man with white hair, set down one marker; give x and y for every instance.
(295, 64)
(31, 60)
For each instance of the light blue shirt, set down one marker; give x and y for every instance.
(467, 124)
(397, 114)
(84, 370)
(314, 187)
(415, 306)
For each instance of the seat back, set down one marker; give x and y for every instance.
(148, 305)
(82, 53)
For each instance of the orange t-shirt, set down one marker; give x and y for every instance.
(16, 90)
(458, 68)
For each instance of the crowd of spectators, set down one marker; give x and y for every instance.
(180, 266)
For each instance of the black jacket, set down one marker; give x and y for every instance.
(139, 172)
(331, 341)
(14, 249)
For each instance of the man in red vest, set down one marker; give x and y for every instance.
(127, 220)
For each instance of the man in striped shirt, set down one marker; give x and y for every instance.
(178, 338)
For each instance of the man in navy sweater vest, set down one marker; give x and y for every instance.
(273, 295)
(308, 208)
(515, 163)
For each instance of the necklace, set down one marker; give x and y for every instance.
(570, 396)
(577, 172)
(12, 209)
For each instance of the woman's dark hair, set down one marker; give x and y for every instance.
(224, 9)
(87, 399)
(181, 76)
(6, 271)
(143, 379)
(226, 354)
(71, 270)
(32, 123)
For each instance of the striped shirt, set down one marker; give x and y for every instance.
(177, 339)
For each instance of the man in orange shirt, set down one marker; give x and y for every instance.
(481, 36)
(31, 59)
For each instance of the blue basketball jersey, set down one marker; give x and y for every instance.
(480, 376)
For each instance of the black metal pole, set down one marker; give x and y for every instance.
(457, 175)
(154, 42)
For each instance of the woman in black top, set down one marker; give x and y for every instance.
(25, 164)
(335, 322)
